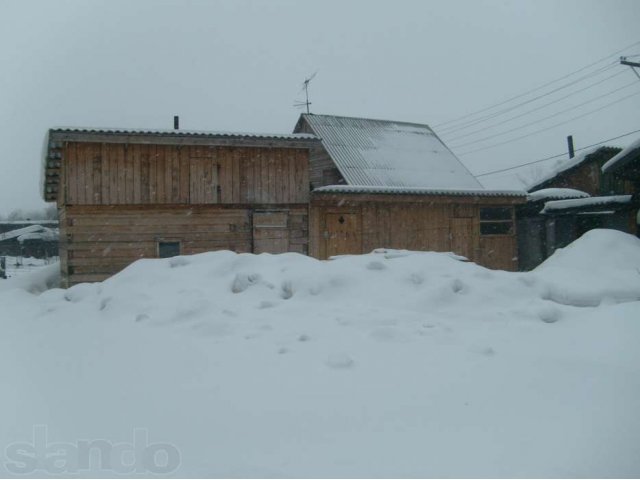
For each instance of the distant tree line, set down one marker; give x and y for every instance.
(48, 213)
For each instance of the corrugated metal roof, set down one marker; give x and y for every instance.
(386, 153)
(364, 189)
(611, 200)
(184, 133)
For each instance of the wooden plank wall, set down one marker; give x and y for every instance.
(98, 241)
(426, 225)
(139, 174)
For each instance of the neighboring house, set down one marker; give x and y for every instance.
(37, 239)
(128, 194)
(390, 184)
(574, 197)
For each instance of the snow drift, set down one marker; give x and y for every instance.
(394, 363)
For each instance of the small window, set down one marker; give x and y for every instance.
(168, 249)
(496, 221)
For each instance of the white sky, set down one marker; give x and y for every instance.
(239, 65)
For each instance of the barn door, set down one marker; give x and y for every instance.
(342, 234)
(462, 238)
(270, 231)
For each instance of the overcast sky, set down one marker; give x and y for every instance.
(238, 66)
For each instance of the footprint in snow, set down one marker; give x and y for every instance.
(340, 361)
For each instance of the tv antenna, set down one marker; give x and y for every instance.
(305, 87)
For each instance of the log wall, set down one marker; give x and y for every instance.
(98, 241)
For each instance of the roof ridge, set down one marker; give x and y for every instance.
(367, 119)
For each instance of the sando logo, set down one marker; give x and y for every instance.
(24, 458)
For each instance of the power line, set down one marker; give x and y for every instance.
(556, 156)
(547, 117)
(537, 108)
(549, 128)
(470, 123)
(540, 87)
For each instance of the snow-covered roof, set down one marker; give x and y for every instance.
(559, 205)
(556, 193)
(31, 232)
(364, 189)
(386, 153)
(563, 165)
(628, 154)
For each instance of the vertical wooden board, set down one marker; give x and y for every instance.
(243, 160)
(168, 172)
(144, 174)
(128, 172)
(277, 170)
(122, 173)
(293, 188)
(236, 175)
(302, 176)
(79, 162)
(96, 155)
(272, 197)
(160, 166)
(224, 178)
(175, 176)
(71, 177)
(105, 180)
(87, 157)
(112, 161)
(153, 175)
(184, 175)
(134, 152)
(248, 167)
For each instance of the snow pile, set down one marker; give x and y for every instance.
(602, 266)
(391, 364)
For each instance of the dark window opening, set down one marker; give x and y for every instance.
(496, 221)
(495, 213)
(168, 249)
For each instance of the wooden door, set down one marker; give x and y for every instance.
(462, 237)
(270, 231)
(342, 234)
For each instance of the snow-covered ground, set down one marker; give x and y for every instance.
(17, 266)
(392, 364)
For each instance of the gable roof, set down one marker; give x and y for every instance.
(385, 153)
(566, 165)
(629, 154)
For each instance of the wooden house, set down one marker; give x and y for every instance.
(390, 184)
(573, 197)
(124, 195)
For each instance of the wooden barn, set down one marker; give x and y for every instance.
(390, 184)
(125, 195)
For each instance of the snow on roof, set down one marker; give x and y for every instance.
(386, 153)
(556, 193)
(559, 205)
(418, 191)
(563, 165)
(628, 154)
(29, 233)
(183, 133)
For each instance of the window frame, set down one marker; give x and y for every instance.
(497, 221)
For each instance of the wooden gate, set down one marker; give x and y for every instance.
(270, 232)
(462, 237)
(342, 234)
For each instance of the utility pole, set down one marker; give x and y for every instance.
(633, 65)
